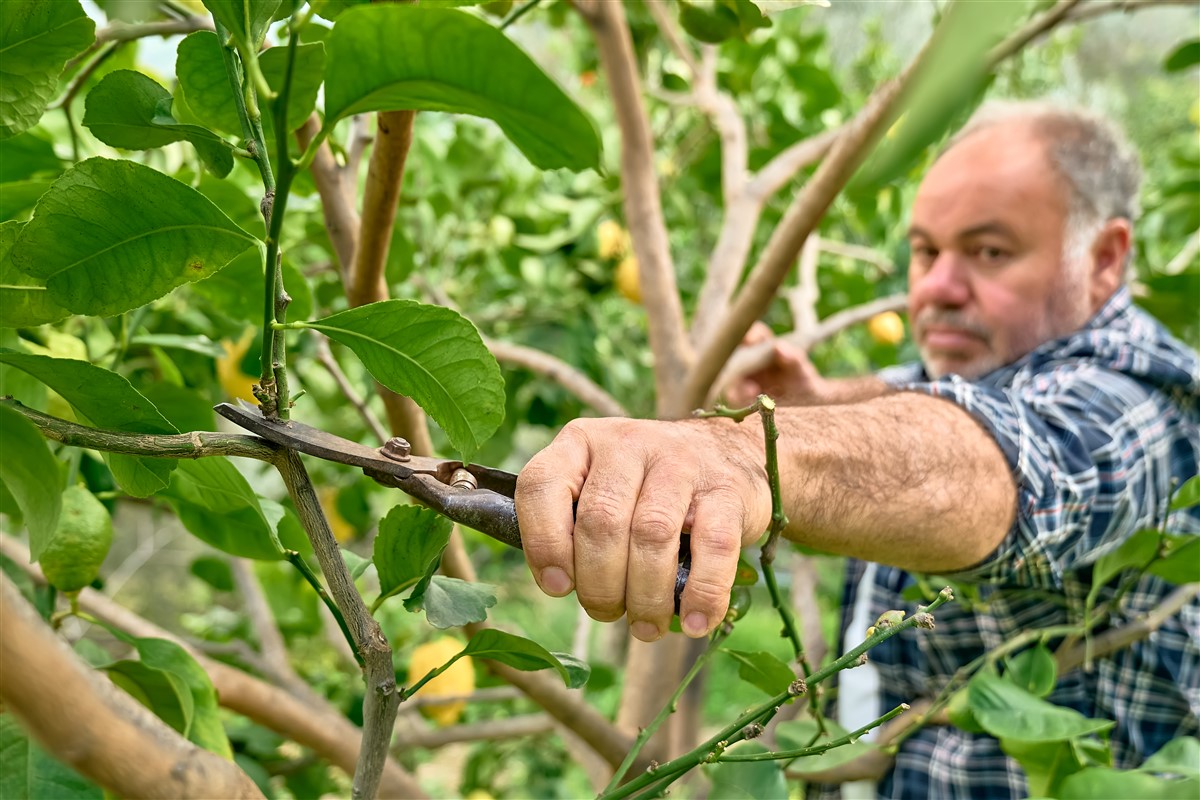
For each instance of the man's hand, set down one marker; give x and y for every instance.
(790, 379)
(639, 484)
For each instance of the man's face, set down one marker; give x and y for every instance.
(988, 281)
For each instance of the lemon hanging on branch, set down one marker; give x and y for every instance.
(628, 283)
(80, 544)
(457, 681)
(886, 328)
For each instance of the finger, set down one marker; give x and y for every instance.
(545, 494)
(602, 521)
(759, 332)
(716, 542)
(654, 551)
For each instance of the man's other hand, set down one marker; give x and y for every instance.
(638, 484)
(790, 378)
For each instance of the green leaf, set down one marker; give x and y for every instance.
(18, 197)
(216, 504)
(1134, 553)
(110, 236)
(355, 563)
(130, 110)
(30, 474)
(105, 399)
(709, 22)
(408, 548)
(1180, 562)
(578, 670)
(162, 692)
(214, 571)
(748, 780)
(1184, 56)
(1034, 670)
(246, 20)
(432, 355)
(26, 770)
(36, 40)
(798, 734)
(388, 57)
(952, 77)
(207, 91)
(1007, 711)
(237, 290)
(958, 711)
(26, 156)
(1094, 782)
(206, 729)
(764, 670)
(1046, 764)
(1187, 495)
(451, 603)
(1180, 756)
(515, 651)
(24, 299)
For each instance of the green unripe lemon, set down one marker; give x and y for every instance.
(80, 543)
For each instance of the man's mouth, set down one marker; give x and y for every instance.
(953, 339)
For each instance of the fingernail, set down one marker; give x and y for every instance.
(695, 624)
(646, 631)
(555, 581)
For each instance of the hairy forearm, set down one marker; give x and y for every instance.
(838, 391)
(904, 479)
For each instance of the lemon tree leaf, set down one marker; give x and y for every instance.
(237, 290)
(130, 110)
(762, 669)
(430, 354)
(26, 156)
(387, 57)
(18, 197)
(24, 299)
(355, 563)
(1180, 756)
(30, 474)
(207, 92)
(111, 235)
(105, 399)
(246, 20)
(1034, 670)
(748, 780)
(451, 603)
(26, 770)
(1093, 782)
(1180, 562)
(1134, 553)
(205, 729)
(1184, 56)
(408, 548)
(1187, 495)
(1007, 711)
(216, 505)
(523, 654)
(162, 692)
(36, 40)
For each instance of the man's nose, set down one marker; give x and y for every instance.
(945, 283)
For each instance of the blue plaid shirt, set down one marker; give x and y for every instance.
(1095, 426)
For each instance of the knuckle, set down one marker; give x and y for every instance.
(601, 513)
(708, 596)
(656, 528)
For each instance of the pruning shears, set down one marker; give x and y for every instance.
(471, 494)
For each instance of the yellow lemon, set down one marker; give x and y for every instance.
(886, 328)
(628, 283)
(612, 240)
(81, 541)
(343, 531)
(457, 681)
(236, 383)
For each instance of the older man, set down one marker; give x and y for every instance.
(1047, 423)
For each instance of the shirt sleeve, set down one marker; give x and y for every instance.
(1089, 450)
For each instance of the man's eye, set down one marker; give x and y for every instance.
(990, 255)
(923, 253)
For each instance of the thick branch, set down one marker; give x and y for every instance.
(500, 729)
(382, 698)
(381, 196)
(198, 444)
(643, 204)
(800, 220)
(307, 719)
(560, 372)
(94, 727)
(341, 221)
(1121, 637)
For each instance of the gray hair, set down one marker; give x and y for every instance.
(1095, 161)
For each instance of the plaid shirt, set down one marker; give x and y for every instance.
(1095, 427)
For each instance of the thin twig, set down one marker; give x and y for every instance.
(559, 371)
(325, 357)
(506, 729)
(270, 641)
(519, 12)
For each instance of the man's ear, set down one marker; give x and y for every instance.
(1110, 249)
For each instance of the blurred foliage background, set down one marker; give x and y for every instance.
(533, 258)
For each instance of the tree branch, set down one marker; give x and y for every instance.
(381, 196)
(308, 719)
(776, 173)
(643, 204)
(666, 27)
(1114, 639)
(382, 698)
(94, 727)
(124, 32)
(560, 372)
(325, 356)
(503, 729)
(197, 444)
(341, 221)
(274, 654)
